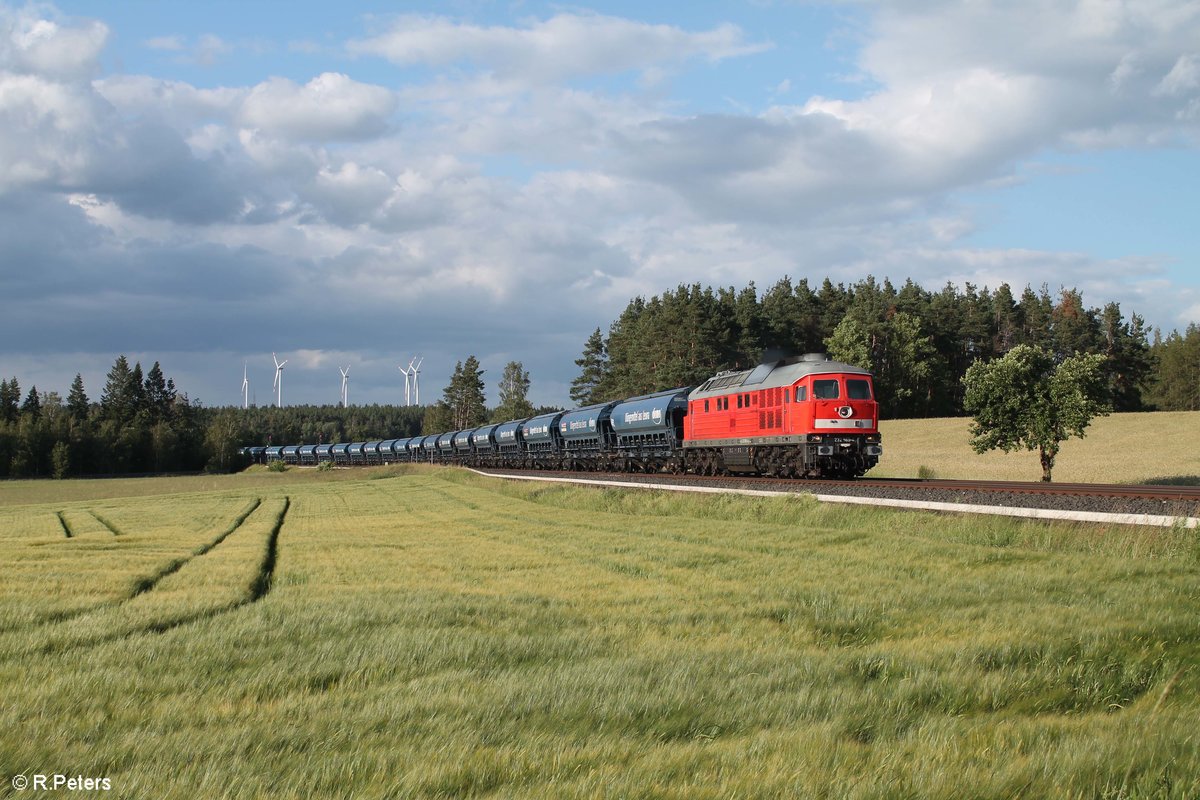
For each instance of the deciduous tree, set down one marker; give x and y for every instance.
(1027, 400)
(514, 391)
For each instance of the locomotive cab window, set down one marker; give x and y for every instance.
(801, 394)
(858, 389)
(825, 390)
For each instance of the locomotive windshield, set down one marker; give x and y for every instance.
(825, 390)
(858, 389)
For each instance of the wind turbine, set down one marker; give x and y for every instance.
(245, 387)
(407, 385)
(345, 381)
(416, 374)
(278, 386)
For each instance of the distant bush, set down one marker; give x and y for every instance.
(277, 466)
(325, 466)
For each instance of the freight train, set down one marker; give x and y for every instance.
(800, 417)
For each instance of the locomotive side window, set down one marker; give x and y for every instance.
(825, 390)
(857, 389)
(706, 406)
(801, 394)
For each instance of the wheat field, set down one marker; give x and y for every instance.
(420, 632)
(1158, 447)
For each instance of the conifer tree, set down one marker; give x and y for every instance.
(464, 395)
(160, 395)
(593, 365)
(117, 400)
(77, 400)
(32, 407)
(10, 399)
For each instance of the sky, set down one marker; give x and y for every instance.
(359, 183)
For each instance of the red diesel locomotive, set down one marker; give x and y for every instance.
(797, 417)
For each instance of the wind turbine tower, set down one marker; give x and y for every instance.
(245, 387)
(416, 374)
(278, 387)
(407, 383)
(345, 383)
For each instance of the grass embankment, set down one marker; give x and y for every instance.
(1159, 447)
(440, 634)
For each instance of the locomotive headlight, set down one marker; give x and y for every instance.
(815, 437)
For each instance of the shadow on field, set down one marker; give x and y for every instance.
(1173, 480)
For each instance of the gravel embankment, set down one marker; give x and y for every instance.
(1056, 502)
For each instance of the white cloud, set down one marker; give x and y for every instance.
(1184, 77)
(209, 49)
(331, 106)
(32, 43)
(546, 51)
(169, 43)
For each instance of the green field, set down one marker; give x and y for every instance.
(417, 632)
(1159, 447)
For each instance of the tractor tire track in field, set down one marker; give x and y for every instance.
(63, 522)
(142, 584)
(112, 528)
(145, 584)
(266, 573)
(258, 588)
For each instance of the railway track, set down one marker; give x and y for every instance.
(1175, 501)
(1115, 490)
(1141, 492)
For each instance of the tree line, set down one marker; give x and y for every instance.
(142, 424)
(918, 343)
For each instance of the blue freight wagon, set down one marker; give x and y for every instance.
(649, 429)
(483, 441)
(445, 446)
(587, 435)
(543, 442)
(510, 444)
